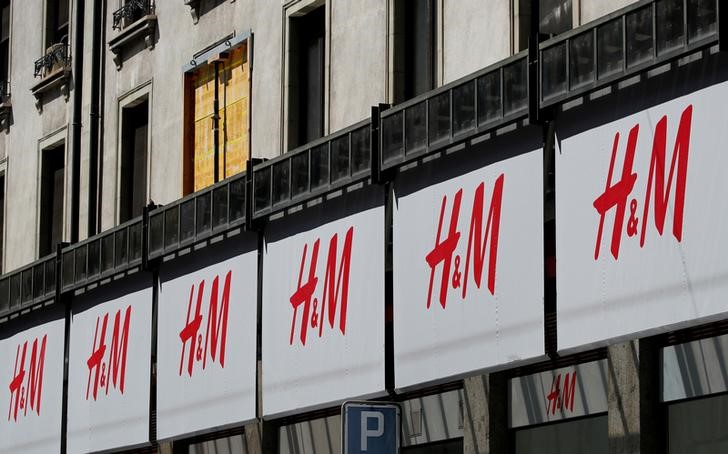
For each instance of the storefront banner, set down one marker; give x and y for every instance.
(468, 269)
(323, 304)
(109, 367)
(641, 216)
(31, 386)
(695, 369)
(558, 394)
(206, 340)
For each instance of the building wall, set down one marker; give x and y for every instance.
(476, 34)
(471, 34)
(29, 127)
(161, 68)
(594, 9)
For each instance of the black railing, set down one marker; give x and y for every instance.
(29, 286)
(479, 103)
(57, 56)
(130, 12)
(199, 216)
(322, 166)
(102, 256)
(628, 42)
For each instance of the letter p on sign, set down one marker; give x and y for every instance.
(371, 427)
(366, 432)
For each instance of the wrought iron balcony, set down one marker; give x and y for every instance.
(4, 92)
(57, 57)
(110, 253)
(481, 102)
(27, 287)
(131, 11)
(322, 166)
(198, 217)
(628, 42)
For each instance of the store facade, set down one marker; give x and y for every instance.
(522, 266)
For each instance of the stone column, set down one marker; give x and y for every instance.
(636, 420)
(485, 414)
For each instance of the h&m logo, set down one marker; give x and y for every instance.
(105, 369)
(616, 195)
(335, 288)
(215, 334)
(443, 254)
(26, 387)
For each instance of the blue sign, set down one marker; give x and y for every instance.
(371, 428)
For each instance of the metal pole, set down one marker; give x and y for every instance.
(216, 123)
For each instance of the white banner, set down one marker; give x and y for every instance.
(323, 305)
(109, 368)
(641, 216)
(468, 270)
(555, 395)
(31, 388)
(206, 364)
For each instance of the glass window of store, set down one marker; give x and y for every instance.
(561, 410)
(695, 391)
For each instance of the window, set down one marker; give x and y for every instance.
(555, 17)
(4, 43)
(307, 56)
(56, 22)
(579, 435)
(233, 444)
(415, 48)
(51, 199)
(133, 165)
(698, 426)
(217, 96)
(139, 9)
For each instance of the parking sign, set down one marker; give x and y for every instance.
(371, 427)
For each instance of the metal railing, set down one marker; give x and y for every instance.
(478, 103)
(628, 42)
(57, 56)
(130, 12)
(28, 286)
(109, 253)
(322, 166)
(199, 216)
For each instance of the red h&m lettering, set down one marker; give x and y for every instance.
(105, 370)
(443, 253)
(616, 195)
(335, 289)
(556, 400)
(215, 329)
(24, 394)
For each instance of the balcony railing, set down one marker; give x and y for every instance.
(32, 285)
(57, 56)
(629, 42)
(317, 168)
(102, 256)
(479, 103)
(130, 12)
(199, 216)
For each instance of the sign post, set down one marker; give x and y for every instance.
(371, 427)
